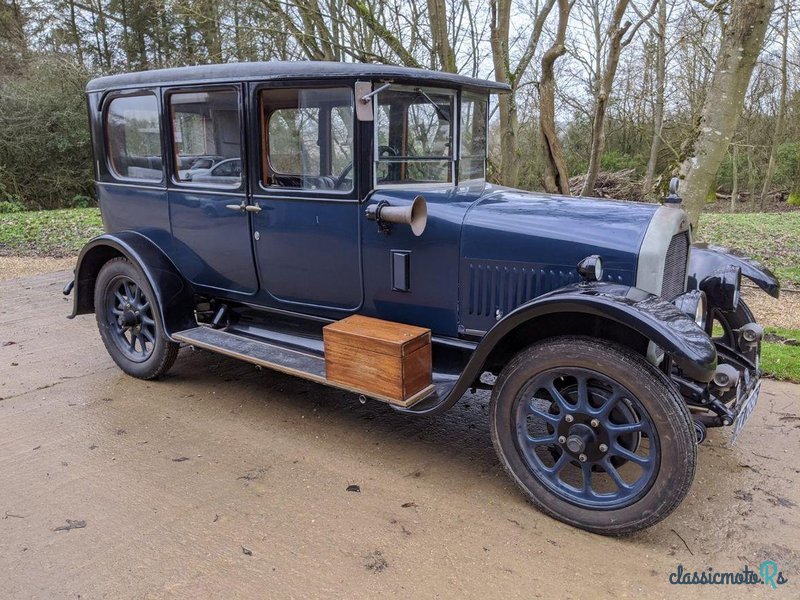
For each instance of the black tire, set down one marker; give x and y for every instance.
(134, 336)
(650, 403)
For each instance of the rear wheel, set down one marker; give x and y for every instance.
(128, 322)
(593, 434)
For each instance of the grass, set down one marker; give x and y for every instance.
(771, 238)
(780, 354)
(55, 233)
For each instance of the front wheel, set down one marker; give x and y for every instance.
(129, 323)
(593, 434)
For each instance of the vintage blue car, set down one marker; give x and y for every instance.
(353, 240)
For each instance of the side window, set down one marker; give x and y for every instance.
(307, 138)
(414, 133)
(206, 138)
(134, 138)
(473, 137)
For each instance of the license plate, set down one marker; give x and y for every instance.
(744, 413)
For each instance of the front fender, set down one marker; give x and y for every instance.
(174, 296)
(650, 316)
(704, 260)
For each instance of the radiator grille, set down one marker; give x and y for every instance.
(675, 266)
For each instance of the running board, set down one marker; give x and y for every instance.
(286, 360)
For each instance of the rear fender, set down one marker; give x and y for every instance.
(704, 260)
(174, 296)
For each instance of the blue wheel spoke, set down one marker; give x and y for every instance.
(586, 470)
(544, 440)
(609, 404)
(558, 398)
(583, 394)
(609, 468)
(554, 420)
(559, 464)
(618, 450)
(637, 427)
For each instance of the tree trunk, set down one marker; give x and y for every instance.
(735, 176)
(617, 31)
(741, 43)
(658, 105)
(556, 178)
(437, 15)
(509, 124)
(781, 106)
(500, 26)
(74, 34)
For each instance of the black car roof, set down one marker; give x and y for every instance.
(248, 71)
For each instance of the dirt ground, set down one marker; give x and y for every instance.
(14, 267)
(221, 481)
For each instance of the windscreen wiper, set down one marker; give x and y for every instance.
(439, 110)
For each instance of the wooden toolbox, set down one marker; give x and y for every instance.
(386, 360)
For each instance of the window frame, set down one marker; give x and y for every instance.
(483, 97)
(261, 147)
(455, 115)
(113, 174)
(172, 180)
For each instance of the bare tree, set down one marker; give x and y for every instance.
(617, 40)
(556, 177)
(776, 136)
(504, 72)
(742, 39)
(437, 16)
(660, 32)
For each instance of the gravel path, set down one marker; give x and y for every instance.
(13, 267)
(783, 312)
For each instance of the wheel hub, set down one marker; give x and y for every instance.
(583, 436)
(579, 438)
(128, 318)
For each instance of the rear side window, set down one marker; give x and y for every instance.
(134, 138)
(206, 138)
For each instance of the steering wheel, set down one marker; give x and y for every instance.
(340, 180)
(387, 151)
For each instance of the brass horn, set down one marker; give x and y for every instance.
(415, 215)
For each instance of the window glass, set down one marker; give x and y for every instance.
(207, 138)
(473, 137)
(308, 138)
(415, 134)
(134, 137)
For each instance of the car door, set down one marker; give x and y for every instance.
(210, 226)
(306, 233)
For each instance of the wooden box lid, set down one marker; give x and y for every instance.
(383, 337)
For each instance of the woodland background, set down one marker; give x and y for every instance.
(617, 95)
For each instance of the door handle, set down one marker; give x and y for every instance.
(253, 208)
(241, 206)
